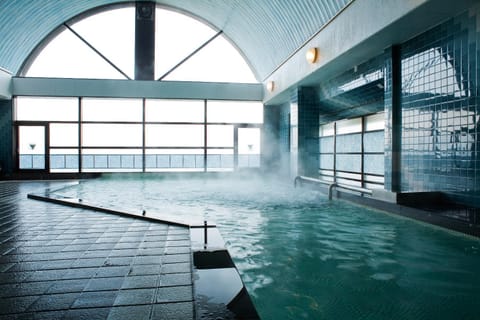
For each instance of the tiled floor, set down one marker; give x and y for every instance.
(65, 263)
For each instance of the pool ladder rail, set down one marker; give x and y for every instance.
(331, 185)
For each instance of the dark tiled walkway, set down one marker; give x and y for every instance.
(65, 263)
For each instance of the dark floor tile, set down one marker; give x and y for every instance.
(175, 258)
(135, 296)
(137, 282)
(118, 261)
(49, 315)
(173, 311)
(90, 262)
(106, 272)
(130, 312)
(148, 260)
(99, 284)
(176, 267)
(47, 275)
(30, 288)
(14, 277)
(95, 299)
(177, 250)
(16, 305)
(68, 286)
(88, 314)
(80, 273)
(175, 279)
(51, 302)
(174, 294)
(145, 269)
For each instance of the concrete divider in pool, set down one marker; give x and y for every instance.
(219, 292)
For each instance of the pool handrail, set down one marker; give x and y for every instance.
(332, 185)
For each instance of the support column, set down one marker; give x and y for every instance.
(393, 120)
(308, 126)
(6, 137)
(145, 41)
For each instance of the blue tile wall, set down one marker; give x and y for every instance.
(441, 107)
(6, 137)
(308, 126)
(356, 92)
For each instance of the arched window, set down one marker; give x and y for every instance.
(102, 46)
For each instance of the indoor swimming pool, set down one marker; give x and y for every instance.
(304, 257)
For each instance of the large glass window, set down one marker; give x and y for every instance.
(162, 110)
(137, 134)
(112, 110)
(46, 109)
(352, 151)
(102, 46)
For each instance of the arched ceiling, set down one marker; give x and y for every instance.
(266, 31)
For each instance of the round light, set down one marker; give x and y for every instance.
(312, 55)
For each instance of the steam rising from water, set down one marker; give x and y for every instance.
(302, 256)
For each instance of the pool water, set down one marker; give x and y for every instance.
(304, 257)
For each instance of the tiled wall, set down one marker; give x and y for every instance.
(6, 138)
(441, 107)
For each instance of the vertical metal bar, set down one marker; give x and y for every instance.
(335, 152)
(396, 118)
(362, 164)
(80, 119)
(205, 135)
(144, 40)
(144, 103)
(47, 147)
(235, 147)
(205, 234)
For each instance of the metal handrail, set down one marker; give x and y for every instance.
(332, 185)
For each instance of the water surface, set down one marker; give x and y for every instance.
(304, 257)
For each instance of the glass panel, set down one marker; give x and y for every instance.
(234, 111)
(113, 34)
(112, 160)
(111, 110)
(349, 143)
(174, 160)
(63, 160)
(349, 162)
(112, 135)
(326, 161)
(219, 61)
(326, 145)
(327, 130)
(46, 109)
(173, 135)
(375, 122)
(220, 160)
(176, 36)
(374, 141)
(66, 56)
(349, 126)
(220, 136)
(249, 147)
(374, 163)
(31, 147)
(174, 110)
(63, 135)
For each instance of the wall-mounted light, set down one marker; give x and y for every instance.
(270, 86)
(312, 55)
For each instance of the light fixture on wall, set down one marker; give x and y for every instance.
(312, 55)
(270, 86)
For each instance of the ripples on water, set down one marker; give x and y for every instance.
(303, 257)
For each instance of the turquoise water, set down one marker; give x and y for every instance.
(304, 257)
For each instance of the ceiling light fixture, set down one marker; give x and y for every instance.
(312, 55)
(270, 86)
